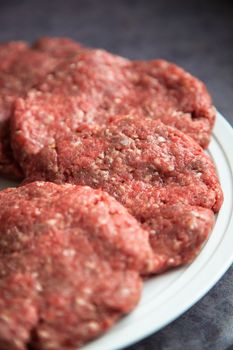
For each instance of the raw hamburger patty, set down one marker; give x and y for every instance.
(70, 259)
(97, 85)
(8, 86)
(21, 74)
(161, 175)
(20, 69)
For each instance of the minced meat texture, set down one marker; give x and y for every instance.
(162, 176)
(15, 82)
(58, 46)
(18, 309)
(70, 259)
(9, 52)
(96, 86)
(20, 69)
(8, 85)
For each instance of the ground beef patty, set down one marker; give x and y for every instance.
(16, 81)
(97, 85)
(161, 175)
(8, 86)
(20, 69)
(70, 259)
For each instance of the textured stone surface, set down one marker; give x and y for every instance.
(198, 35)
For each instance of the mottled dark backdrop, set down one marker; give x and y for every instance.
(195, 34)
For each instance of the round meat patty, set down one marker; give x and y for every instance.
(70, 259)
(162, 176)
(96, 85)
(8, 86)
(20, 69)
(15, 82)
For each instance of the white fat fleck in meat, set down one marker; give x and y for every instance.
(125, 292)
(51, 222)
(90, 265)
(199, 215)
(80, 302)
(171, 261)
(5, 318)
(161, 139)
(170, 167)
(156, 139)
(66, 185)
(35, 275)
(75, 143)
(40, 183)
(93, 326)
(87, 291)
(193, 224)
(37, 211)
(104, 174)
(39, 287)
(44, 334)
(125, 141)
(69, 252)
(164, 162)
(153, 232)
(198, 174)
(79, 64)
(101, 155)
(28, 115)
(79, 114)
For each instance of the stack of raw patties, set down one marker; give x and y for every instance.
(115, 186)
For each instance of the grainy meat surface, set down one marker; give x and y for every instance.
(58, 46)
(161, 175)
(20, 69)
(9, 52)
(70, 259)
(26, 69)
(9, 85)
(96, 85)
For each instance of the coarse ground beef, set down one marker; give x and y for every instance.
(58, 46)
(9, 52)
(96, 86)
(70, 259)
(161, 175)
(20, 69)
(14, 83)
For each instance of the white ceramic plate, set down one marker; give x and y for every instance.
(166, 297)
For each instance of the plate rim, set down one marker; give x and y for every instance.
(223, 132)
(186, 280)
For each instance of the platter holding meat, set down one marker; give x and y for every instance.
(120, 216)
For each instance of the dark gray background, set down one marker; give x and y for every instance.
(197, 35)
